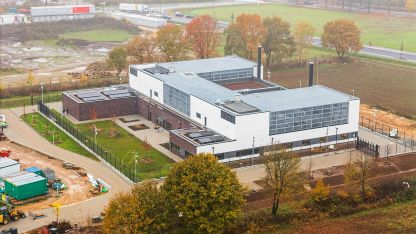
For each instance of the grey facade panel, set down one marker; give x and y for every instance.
(177, 99)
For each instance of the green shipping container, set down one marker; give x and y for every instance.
(24, 185)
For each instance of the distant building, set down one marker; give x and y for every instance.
(140, 20)
(13, 19)
(58, 13)
(224, 106)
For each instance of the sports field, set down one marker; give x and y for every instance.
(380, 30)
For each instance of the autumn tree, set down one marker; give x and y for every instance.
(251, 30)
(359, 172)
(172, 42)
(319, 195)
(282, 174)
(141, 210)
(141, 49)
(411, 6)
(303, 37)
(278, 42)
(30, 79)
(343, 36)
(203, 35)
(83, 78)
(118, 59)
(204, 195)
(147, 147)
(234, 43)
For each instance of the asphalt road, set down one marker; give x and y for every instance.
(78, 213)
(380, 52)
(370, 50)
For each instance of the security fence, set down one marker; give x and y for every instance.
(89, 142)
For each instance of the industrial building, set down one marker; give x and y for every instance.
(140, 20)
(58, 13)
(13, 19)
(224, 106)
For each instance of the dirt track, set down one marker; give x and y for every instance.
(77, 186)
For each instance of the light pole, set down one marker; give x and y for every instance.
(213, 148)
(41, 89)
(268, 74)
(336, 137)
(135, 166)
(272, 140)
(327, 132)
(252, 152)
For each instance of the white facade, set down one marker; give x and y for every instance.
(13, 19)
(140, 20)
(247, 130)
(8, 166)
(58, 13)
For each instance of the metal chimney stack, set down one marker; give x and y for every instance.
(258, 62)
(311, 71)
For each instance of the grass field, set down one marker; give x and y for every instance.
(153, 165)
(18, 101)
(51, 133)
(397, 218)
(380, 30)
(385, 85)
(104, 35)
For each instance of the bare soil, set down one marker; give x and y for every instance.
(78, 187)
(244, 85)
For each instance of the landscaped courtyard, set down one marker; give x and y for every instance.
(130, 152)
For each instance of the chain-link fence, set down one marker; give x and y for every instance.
(89, 142)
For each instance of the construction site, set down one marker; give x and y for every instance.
(32, 181)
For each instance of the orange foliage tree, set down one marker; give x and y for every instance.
(343, 36)
(141, 49)
(203, 35)
(172, 42)
(252, 32)
(303, 36)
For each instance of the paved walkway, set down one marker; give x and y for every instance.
(21, 133)
(248, 175)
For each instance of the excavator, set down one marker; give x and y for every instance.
(8, 213)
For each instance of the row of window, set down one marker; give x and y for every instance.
(227, 116)
(307, 142)
(308, 118)
(227, 75)
(176, 99)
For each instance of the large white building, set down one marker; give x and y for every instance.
(222, 105)
(58, 13)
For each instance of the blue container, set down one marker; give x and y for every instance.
(35, 170)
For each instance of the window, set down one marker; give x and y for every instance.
(133, 71)
(308, 118)
(176, 99)
(156, 94)
(227, 116)
(198, 115)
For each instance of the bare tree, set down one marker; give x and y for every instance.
(282, 173)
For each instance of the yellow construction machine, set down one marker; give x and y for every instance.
(8, 213)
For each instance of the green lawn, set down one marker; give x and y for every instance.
(50, 132)
(381, 30)
(17, 101)
(153, 165)
(105, 35)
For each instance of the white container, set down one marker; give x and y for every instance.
(8, 166)
(57, 13)
(133, 7)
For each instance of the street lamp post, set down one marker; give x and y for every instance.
(135, 166)
(327, 132)
(41, 89)
(336, 137)
(252, 152)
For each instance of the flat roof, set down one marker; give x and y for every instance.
(23, 177)
(101, 94)
(210, 64)
(183, 76)
(289, 99)
(7, 162)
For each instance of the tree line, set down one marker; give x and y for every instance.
(201, 39)
(202, 195)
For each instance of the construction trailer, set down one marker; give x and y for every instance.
(24, 185)
(35, 170)
(8, 166)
